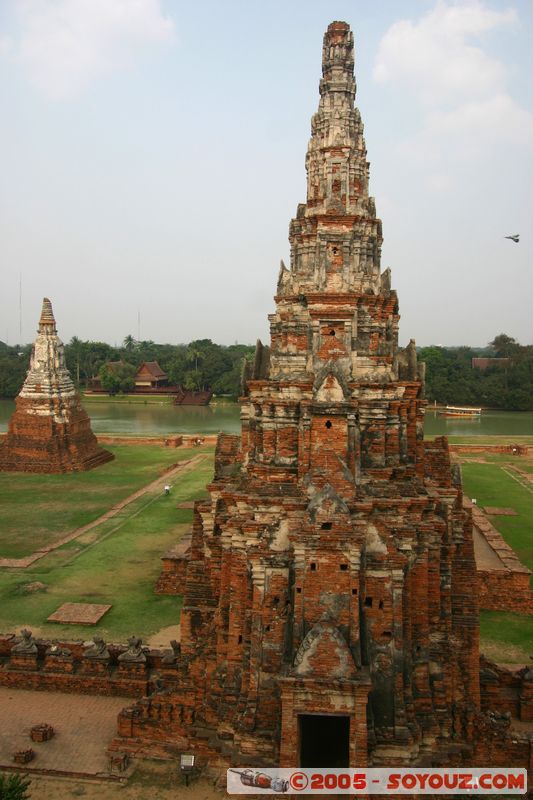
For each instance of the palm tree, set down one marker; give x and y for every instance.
(129, 344)
(76, 345)
(193, 354)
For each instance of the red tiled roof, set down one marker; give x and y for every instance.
(153, 368)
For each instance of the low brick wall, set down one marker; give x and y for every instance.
(506, 689)
(168, 440)
(509, 449)
(503, 581)
(500, 687)
(160, 441)
(174, 569)
(502, 590)
(76, 675)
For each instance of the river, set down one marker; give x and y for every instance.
(159, 418)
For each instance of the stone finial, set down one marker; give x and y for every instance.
(47, 323)
(338, 46)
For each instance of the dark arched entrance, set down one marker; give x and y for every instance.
(324, 740)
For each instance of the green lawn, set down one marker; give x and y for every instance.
(506, 637)
(36, 510)
(491, 486)
(505, 439)
(117, 563)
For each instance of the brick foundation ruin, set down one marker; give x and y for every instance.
(331, 571)
(50, 431)
(503, 581)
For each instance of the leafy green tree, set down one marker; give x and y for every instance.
(117, 377)
(505, 346)
(73, 354)
(178, 365)
(194, 355)
(87, 357)
(193, 380)
(14, 787)
(13, 370)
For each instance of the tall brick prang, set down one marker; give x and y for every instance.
(49, 431)
(330, 590)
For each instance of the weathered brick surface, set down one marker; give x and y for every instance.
(503, 581)
(49, 431)
(69, 671)
(331, 569)
(174, 569)
(505, 590)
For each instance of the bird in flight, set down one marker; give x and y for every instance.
(515, 237)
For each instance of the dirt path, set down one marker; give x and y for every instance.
(163, 637)
(157, 781)
(152, 487)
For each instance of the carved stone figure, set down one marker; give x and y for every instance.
(27, 645)
(134, 653)
(172, 656)
(98, 650)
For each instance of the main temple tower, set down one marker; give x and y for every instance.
(329, 589)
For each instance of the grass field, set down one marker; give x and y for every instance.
(495, 441)
(505, 637)
(36, 510)
(116, 563)
(492, 486)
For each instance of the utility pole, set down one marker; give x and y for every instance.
(20, 308)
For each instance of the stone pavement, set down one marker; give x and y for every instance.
(83, 724)
(79, 613)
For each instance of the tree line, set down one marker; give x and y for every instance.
(202, 364)
(450, 378)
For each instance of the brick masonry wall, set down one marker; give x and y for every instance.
(173, 575)
(503, 590)
(74, 674)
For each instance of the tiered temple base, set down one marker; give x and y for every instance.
(47, 444)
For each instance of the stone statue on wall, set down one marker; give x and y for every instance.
(134, 653)
(98, 650)
(27, 645)
(172, 656)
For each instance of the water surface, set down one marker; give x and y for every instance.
(155, 419)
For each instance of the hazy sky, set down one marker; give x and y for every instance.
(152, 154)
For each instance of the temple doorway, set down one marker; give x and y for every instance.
(324, 740)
